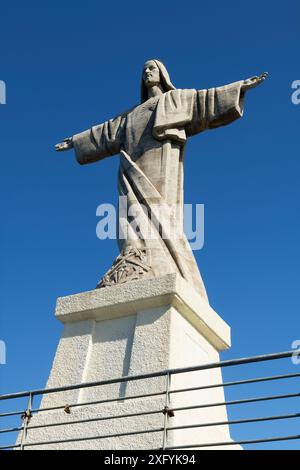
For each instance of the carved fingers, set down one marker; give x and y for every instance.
(65, 145)
(254, 81)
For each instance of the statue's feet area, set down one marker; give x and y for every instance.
(131, 264)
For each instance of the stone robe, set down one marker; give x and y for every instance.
(150, 139)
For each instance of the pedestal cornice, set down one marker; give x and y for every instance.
(129, 298)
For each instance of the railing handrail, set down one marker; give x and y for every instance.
(213, 365)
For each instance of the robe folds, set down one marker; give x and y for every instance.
(150, 139)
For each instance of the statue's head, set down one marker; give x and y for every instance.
(154, 73)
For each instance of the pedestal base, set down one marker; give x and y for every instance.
(140, 327)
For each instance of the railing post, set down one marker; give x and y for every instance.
(166, 411)
(26, 418)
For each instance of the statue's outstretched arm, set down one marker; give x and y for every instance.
(254, 81)
(65, 145)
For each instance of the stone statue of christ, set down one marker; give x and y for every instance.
(150, 139)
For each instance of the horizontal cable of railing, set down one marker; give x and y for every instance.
(148, 431)
(150, 395)
(214, 365)
(237, 402)
(173, 409)
(172, 428)
(233, 443)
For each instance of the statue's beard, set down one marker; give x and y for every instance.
(149, 84)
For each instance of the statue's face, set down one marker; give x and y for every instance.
(151, 75)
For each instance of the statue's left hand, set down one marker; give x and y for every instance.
(254, 81)
(65, 145)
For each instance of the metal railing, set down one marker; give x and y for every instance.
(167, 411)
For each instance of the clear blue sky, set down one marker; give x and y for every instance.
(68, 65)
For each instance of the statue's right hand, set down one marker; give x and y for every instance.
(254, 81)
(65, 145)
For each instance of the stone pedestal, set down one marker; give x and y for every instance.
(139, 327)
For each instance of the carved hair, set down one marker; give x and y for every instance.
(164, 80)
